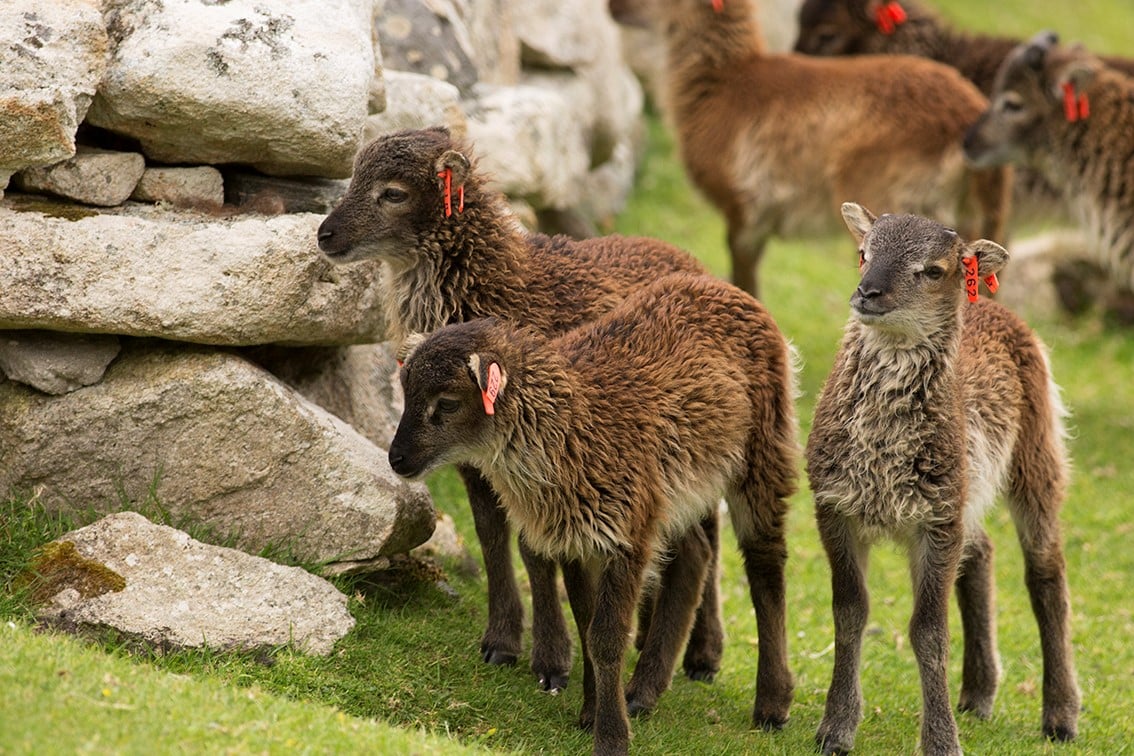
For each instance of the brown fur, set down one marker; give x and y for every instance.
(609, 444)
(1092, 158)
(776, 142)
(478, 262)
(932, 408)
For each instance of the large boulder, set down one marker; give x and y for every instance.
(52, 57)
(145, 271)
(283, 88)
(218, 441)
(169, 591)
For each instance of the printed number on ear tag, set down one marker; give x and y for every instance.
(492, 390)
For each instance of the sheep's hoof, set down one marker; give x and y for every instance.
(1060, 734)
(553, 683)
(701, 674)
(639, 709)
(494, 656)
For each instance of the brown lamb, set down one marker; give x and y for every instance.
(450, 260)
(935, 406)
(1087, 149)
(778, 141)
(608, 445)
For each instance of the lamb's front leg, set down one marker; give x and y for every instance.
(850, 604)
(581, 595)
(934, 557)
(619, 584)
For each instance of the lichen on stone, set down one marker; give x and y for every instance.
(58, 566)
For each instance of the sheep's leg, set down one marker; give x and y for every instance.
(677, 597)
(501, 642)
(581, 595)
(1037, 527)
(761, 538)
(706, 641)
(989, 200)
(615, 600)
(746, 247)
(976, 599)
(551, 645)
(934, 557)
(850, 604)
(645, 615)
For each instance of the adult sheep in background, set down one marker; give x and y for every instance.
(933, 407)
(451, 250)
(608, 445)
(777, 142)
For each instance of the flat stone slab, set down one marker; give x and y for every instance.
(177, 592)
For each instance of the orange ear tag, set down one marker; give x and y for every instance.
(991, 282)
(972, 281)
(492, 390)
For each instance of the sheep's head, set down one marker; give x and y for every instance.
(1038, 86)
(852, 27)
(396, 197)
(913, 271)
(453, 381)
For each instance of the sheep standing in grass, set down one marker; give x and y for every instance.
(451, 250)
(932, 408)
(1063, 113)
(776, 142)
(608, 445)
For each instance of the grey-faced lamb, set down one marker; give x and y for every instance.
(935, 406)
(451, 250)
(1063, 113)
(777, 141)
(608, 444)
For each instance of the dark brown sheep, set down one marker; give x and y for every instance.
(451, 250)
(608, 445)
(935, 406)
(777, 142)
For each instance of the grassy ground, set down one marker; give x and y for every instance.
(411, 664)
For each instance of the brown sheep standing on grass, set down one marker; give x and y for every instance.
(935, 406)
(608, 445)
(451, 251)
(777, 142)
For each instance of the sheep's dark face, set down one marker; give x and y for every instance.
(446, 418)
(395, 199)
(912, 273)
(835, 27)
(1027, 103)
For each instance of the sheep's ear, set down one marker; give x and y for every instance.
(452, 160)
(1076, 75)
(858, 219)
(991, 257)
(1038, 48)
(491, 378)
(409, 346)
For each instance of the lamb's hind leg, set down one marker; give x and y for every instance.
(677, 596)
(975, 597)
(501, 641)
(850, 605)
(746, 248)
(1035, 509)
(706, 641)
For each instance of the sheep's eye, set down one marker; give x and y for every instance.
(446, 405)
(394, 195)
(1011, 104)
(934, 272)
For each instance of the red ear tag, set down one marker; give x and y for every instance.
(1070, 103)
(492, 390)
(1084, 107)
(447, 174)
(401, 363)
(718, 5)
(971, 280)
(890, 16)
(461, 198)
(991, 282)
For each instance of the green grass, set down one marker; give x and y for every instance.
(411, 664)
